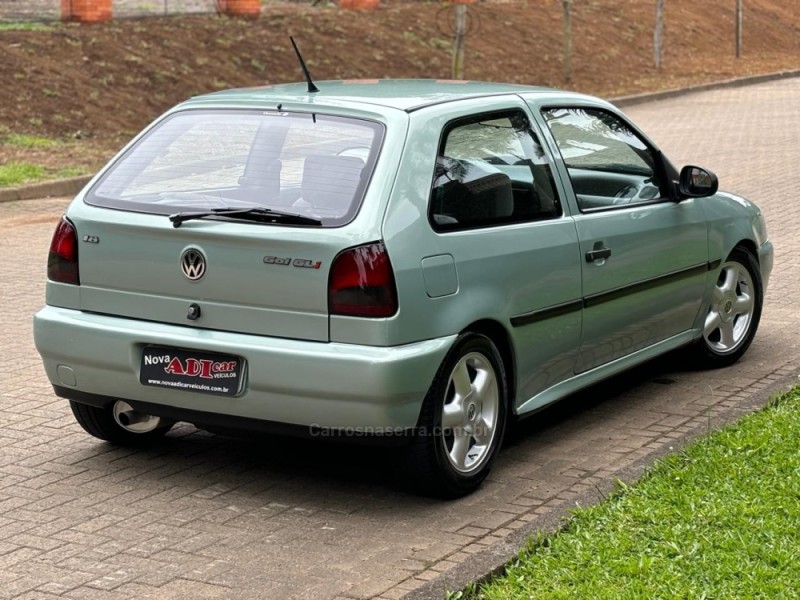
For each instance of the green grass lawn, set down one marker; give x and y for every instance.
(16, 173)
(40, 167)
(720, 519)
(19, 173)
(21, 140)
(27, 26)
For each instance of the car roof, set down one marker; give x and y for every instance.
(402, 94)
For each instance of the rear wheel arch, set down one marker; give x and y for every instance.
(462, 420)
(502, 340)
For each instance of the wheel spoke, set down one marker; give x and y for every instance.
(726, 337)
(716, 295)
(483, 431)
(458, 453)
(713, 322)
(452, 415)
(461, 380)
(483, 384)
(731, 275)
(744, 304)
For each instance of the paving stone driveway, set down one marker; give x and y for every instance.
(204, 516)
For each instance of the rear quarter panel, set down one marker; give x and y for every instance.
(410, 238)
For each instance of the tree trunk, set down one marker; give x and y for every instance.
(567, 40)
(658, 34)
(458, 45)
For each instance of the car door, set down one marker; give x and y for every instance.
(499, 245)
(496, 160)
(644, 255)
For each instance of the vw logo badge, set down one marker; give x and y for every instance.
(193, 264)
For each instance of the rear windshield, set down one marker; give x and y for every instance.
(313, 165)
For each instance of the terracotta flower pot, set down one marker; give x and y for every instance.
(86, 11)
(249, 9)
(359, 4)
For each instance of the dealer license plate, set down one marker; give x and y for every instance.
(191, 371)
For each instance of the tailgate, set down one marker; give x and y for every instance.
(266, 280)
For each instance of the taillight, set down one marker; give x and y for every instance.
(62, 262)
(362, 284)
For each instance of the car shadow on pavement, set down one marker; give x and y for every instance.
(284, 462)
(286, 468)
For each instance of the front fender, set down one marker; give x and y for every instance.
(731, 221)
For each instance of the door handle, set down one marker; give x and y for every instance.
(599, 253)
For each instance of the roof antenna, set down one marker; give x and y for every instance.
(312, 89)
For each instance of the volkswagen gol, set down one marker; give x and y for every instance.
(413, 260)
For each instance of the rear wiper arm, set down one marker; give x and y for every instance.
(260, 214)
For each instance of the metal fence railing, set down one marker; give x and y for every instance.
(30, 10)
(50, 10)
(146, 8)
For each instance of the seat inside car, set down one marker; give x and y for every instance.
(330, 182)
(261, 181)
(468, 193)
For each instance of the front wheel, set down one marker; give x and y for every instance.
(462, 420)
(734, 313)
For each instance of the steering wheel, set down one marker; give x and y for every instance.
(625, 194)
(632, 193)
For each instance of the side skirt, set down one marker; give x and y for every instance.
(583, 380)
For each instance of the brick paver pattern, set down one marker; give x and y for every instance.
(208, 516)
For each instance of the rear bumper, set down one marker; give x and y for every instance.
(330, 388)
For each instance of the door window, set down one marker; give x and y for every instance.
(609, 165)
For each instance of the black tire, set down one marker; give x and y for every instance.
(712, 350)
(432, 456)
(100, 423)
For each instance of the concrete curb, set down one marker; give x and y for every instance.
(624, 101)
(487, 563)
(34, 191)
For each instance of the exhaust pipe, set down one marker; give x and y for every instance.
(132, 417)
(134, 421)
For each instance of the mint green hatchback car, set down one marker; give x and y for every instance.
(408, 261)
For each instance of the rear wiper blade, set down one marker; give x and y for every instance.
(259, 214)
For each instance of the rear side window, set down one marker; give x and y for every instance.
(313, 165)
(491, 170)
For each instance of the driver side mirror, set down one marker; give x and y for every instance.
(696, 182)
